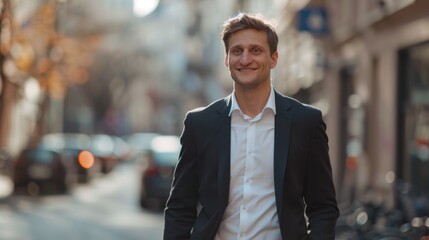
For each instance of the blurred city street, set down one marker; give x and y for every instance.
(93, 94)
(107, 208)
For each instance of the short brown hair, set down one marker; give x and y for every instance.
(249, 21)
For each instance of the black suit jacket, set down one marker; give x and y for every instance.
(304, 190)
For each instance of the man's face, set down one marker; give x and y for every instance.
(248, 58)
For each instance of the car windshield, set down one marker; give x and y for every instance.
(40, 156)
(166, 149)
(59, 141)
(166, 158)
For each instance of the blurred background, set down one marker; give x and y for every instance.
(93, 94)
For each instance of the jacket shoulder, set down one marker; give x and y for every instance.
(217, 106)
(296, 104)
(302, 112)
(203, 119)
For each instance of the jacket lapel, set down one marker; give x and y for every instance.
(223, 140)
(283, 126)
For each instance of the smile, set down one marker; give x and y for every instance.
(246, 69)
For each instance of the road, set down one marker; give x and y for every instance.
(104, 209)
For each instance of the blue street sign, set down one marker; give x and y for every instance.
(313, 20)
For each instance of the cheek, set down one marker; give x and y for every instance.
(230, 62)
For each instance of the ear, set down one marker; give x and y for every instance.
(274, 59)
(226, 62)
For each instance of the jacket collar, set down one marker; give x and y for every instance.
(223, 140)
(282, 104)
(282, 138)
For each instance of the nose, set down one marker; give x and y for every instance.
(245, 58)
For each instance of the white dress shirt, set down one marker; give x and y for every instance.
(251, 212)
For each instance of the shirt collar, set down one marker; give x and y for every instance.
(271, 103)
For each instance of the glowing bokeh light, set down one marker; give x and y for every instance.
(143, 8)
(86, 159)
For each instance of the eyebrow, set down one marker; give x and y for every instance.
(249, 46)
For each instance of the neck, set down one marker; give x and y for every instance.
(252, 101)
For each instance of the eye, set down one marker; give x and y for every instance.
(256, 50)
(236, 51)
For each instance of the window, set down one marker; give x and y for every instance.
(413, 118)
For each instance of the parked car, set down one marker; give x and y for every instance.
(157, 171)
(77, 146)
(122, 149)
(139, 143)
(103, 148)
(43, 171)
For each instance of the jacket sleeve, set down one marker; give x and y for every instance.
(181, 208)
(320, 196)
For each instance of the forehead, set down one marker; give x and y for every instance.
(248, 37)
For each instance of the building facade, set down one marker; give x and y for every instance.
(365, 65)
(378, 62)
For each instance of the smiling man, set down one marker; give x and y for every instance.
(254, 165)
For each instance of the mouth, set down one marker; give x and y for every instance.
(245, 70)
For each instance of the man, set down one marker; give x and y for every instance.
(254, 165)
